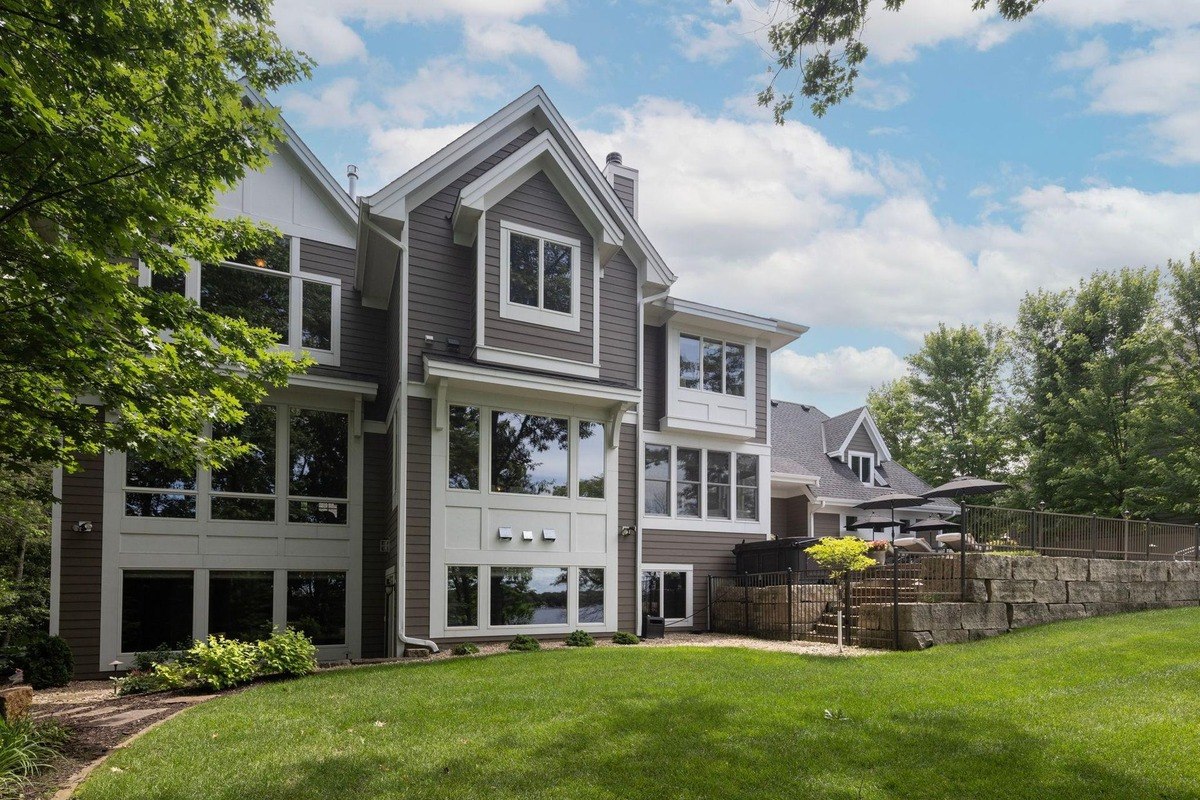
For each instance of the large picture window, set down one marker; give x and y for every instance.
(689, 483)
(530, 454)
(713, 365)
(318, 458)
(528, 596)
(241, 604)
(316, 605)
(244, 489)
(156, 609)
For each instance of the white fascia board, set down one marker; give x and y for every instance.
(540, 154)
(523, 383)
(789, 479)
(881, 448)
(306, 157)
(778, 334)
(364, 389)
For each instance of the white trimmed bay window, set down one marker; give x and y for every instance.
(701, 484)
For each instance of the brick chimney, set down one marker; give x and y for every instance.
(624, 181)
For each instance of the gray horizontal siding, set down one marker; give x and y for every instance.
(709, 554)
(861, 441)
(441, 294)
(82, 556)
(538, 204)
(416, 528)
(618, 321)
(627, 506)
(789, 516)
(827, 524)
(761, 401)
(363, 330)
(624, 187)
(654, 387)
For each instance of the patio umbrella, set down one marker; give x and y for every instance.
(875, 522)
(961, 488)
(892, 501)
(932, 525)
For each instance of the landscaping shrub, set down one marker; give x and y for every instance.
(144, 682)
(48, 662)
(219, 663)
(624, 637)
(288, 652)
(145, 661)
(26, 747)
(524, 643)
(465, 649)
(580, 639)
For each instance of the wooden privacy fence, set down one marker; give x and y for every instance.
(1090, 536)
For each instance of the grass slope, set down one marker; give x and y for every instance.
(1101, 708)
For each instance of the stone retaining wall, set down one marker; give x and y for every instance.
(1004, 593)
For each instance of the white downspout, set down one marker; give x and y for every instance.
(427, 644)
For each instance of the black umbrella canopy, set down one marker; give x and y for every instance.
(893, 500)
(873, 522)
(932, 524)
(965, 486)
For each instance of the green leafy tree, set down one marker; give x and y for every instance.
(949, 415)
(841, 555)
(122, 120)
(1175, 401)
(823, 39)
(1087, 367)
(24, 556)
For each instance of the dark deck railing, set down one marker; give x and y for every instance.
(1089, 536)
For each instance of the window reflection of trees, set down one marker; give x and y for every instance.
(529, 454)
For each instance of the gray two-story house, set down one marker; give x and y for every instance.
(513, 426)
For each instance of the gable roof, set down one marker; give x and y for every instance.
(296, 146)
(531, 110)
(840, 429)
(799, 436)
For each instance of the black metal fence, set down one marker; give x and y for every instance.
(1089, 536)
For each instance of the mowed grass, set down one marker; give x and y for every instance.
(1101, 708)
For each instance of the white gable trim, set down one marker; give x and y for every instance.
(881, 447)
(541, 154)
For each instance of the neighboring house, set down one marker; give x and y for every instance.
(822, 467)
(512, 426)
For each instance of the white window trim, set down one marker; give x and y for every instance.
(674, 521)
(689, 589)
(870, 457)
(539, 315)
(296, 280)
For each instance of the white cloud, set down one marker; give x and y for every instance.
(441, 88)
(1160, 82)
(845, 371)
(395, 150)
(781, 222)
(896, 36)
(334, 105)
(880, 95)
(714, 38)
(1152, 14)
(500, 40)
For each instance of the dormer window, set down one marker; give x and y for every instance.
(863, 465)
(712, 365)
(539, 277)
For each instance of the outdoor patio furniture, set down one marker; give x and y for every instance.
(953, 542)
(911, 548)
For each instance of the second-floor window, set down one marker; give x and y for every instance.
(863, 465)
(712, 365)
(266, 288)
(539, 275)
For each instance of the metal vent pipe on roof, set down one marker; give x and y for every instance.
(612, 158)
(352, 181)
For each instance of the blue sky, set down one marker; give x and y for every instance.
(978, 160)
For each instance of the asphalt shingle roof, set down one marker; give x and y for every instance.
(800, 437)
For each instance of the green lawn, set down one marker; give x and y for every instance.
(1101, 708)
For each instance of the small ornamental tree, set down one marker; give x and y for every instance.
(841, 555)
